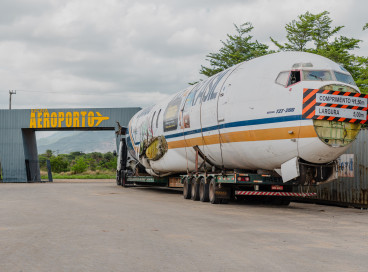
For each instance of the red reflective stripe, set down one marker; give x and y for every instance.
(274, 193)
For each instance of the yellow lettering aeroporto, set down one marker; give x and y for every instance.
(42, 118)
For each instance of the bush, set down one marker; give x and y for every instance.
(80, 166)
(59, 164)
(78, 162)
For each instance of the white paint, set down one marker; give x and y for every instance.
(346, 165)
(290, 169)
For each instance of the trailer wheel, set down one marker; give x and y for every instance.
(212, 193)
(187, 189)
(195, 189)
(204, 190)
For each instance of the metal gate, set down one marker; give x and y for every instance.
(351, 188)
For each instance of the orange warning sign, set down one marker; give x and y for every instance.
(335, 106)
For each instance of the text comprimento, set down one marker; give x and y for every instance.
(341, 100)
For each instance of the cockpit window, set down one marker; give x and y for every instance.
(294, 77)
(344, 78)
(288, 78)
(317, 75)
(282, 78)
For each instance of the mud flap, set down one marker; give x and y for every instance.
(290, 169)
(223, 193)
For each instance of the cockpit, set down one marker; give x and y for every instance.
(288, 78)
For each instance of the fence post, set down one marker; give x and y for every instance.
(49, 173)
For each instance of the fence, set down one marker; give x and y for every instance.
(351, 188)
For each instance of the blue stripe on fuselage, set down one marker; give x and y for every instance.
(244, 123)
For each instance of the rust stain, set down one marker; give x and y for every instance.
(364, 196)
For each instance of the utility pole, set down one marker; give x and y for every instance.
(10, 95)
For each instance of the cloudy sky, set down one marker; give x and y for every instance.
(111, 53)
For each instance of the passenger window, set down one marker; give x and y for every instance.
(282, 78)
(294, 77)
(158, 115)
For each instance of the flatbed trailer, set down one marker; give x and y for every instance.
(222, 187)
(215, 187)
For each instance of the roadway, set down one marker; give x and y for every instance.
(99, 226)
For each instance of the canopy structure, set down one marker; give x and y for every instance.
(18, 147)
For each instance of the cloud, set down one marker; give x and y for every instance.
(132, 53)
(13, 10)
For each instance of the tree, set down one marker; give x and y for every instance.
(79, 162)
(362, 78)
(313, 33)
(42, 161)
(315, 28)
(80, 166)
(237, 48)
(59, 164)
(48, 153)
(361, 75)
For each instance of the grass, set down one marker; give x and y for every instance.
(86, 175)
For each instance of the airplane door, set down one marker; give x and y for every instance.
(188, 121)
(222, 102)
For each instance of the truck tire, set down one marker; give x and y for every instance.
(124, 179)
(195, 189)
(212, 193)
(204, 191)
(118, 178)
(187, 188)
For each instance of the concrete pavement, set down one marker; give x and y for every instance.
(99, 226)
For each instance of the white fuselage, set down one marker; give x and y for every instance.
(240, 118)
